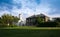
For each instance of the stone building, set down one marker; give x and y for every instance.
(31, 21)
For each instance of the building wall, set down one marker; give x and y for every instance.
(32, 20)
(46, 19)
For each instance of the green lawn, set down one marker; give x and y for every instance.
(30, 32)
(30, 27)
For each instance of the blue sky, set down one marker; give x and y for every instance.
(30, 7)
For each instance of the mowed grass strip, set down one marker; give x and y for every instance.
(29, 33)
(30, 27)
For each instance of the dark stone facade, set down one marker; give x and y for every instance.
(31, 21)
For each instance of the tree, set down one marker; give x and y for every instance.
(42, 23)
(8, 19)
(40, 20)
(57, 20)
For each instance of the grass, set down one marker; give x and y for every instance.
(30, 27)
(30, 32)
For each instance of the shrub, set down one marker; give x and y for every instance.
(47, 24)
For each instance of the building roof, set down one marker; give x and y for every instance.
(39, 15)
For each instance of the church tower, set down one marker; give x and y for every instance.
(19, 16)
(20, 20)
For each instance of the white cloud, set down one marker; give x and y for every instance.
(29, 8)
(4, 12)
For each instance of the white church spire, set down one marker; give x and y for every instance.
(20, 22)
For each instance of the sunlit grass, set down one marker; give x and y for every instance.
(19, 32)
(30, 27)
(30, 31)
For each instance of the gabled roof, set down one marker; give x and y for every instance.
(39, 15)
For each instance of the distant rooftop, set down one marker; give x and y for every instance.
(42, 15)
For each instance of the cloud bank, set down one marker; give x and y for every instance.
(30, 7)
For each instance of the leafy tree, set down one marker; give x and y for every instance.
(42, 23)
(57, 20)
(15, 19)
(40, 20)
(8, 19)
